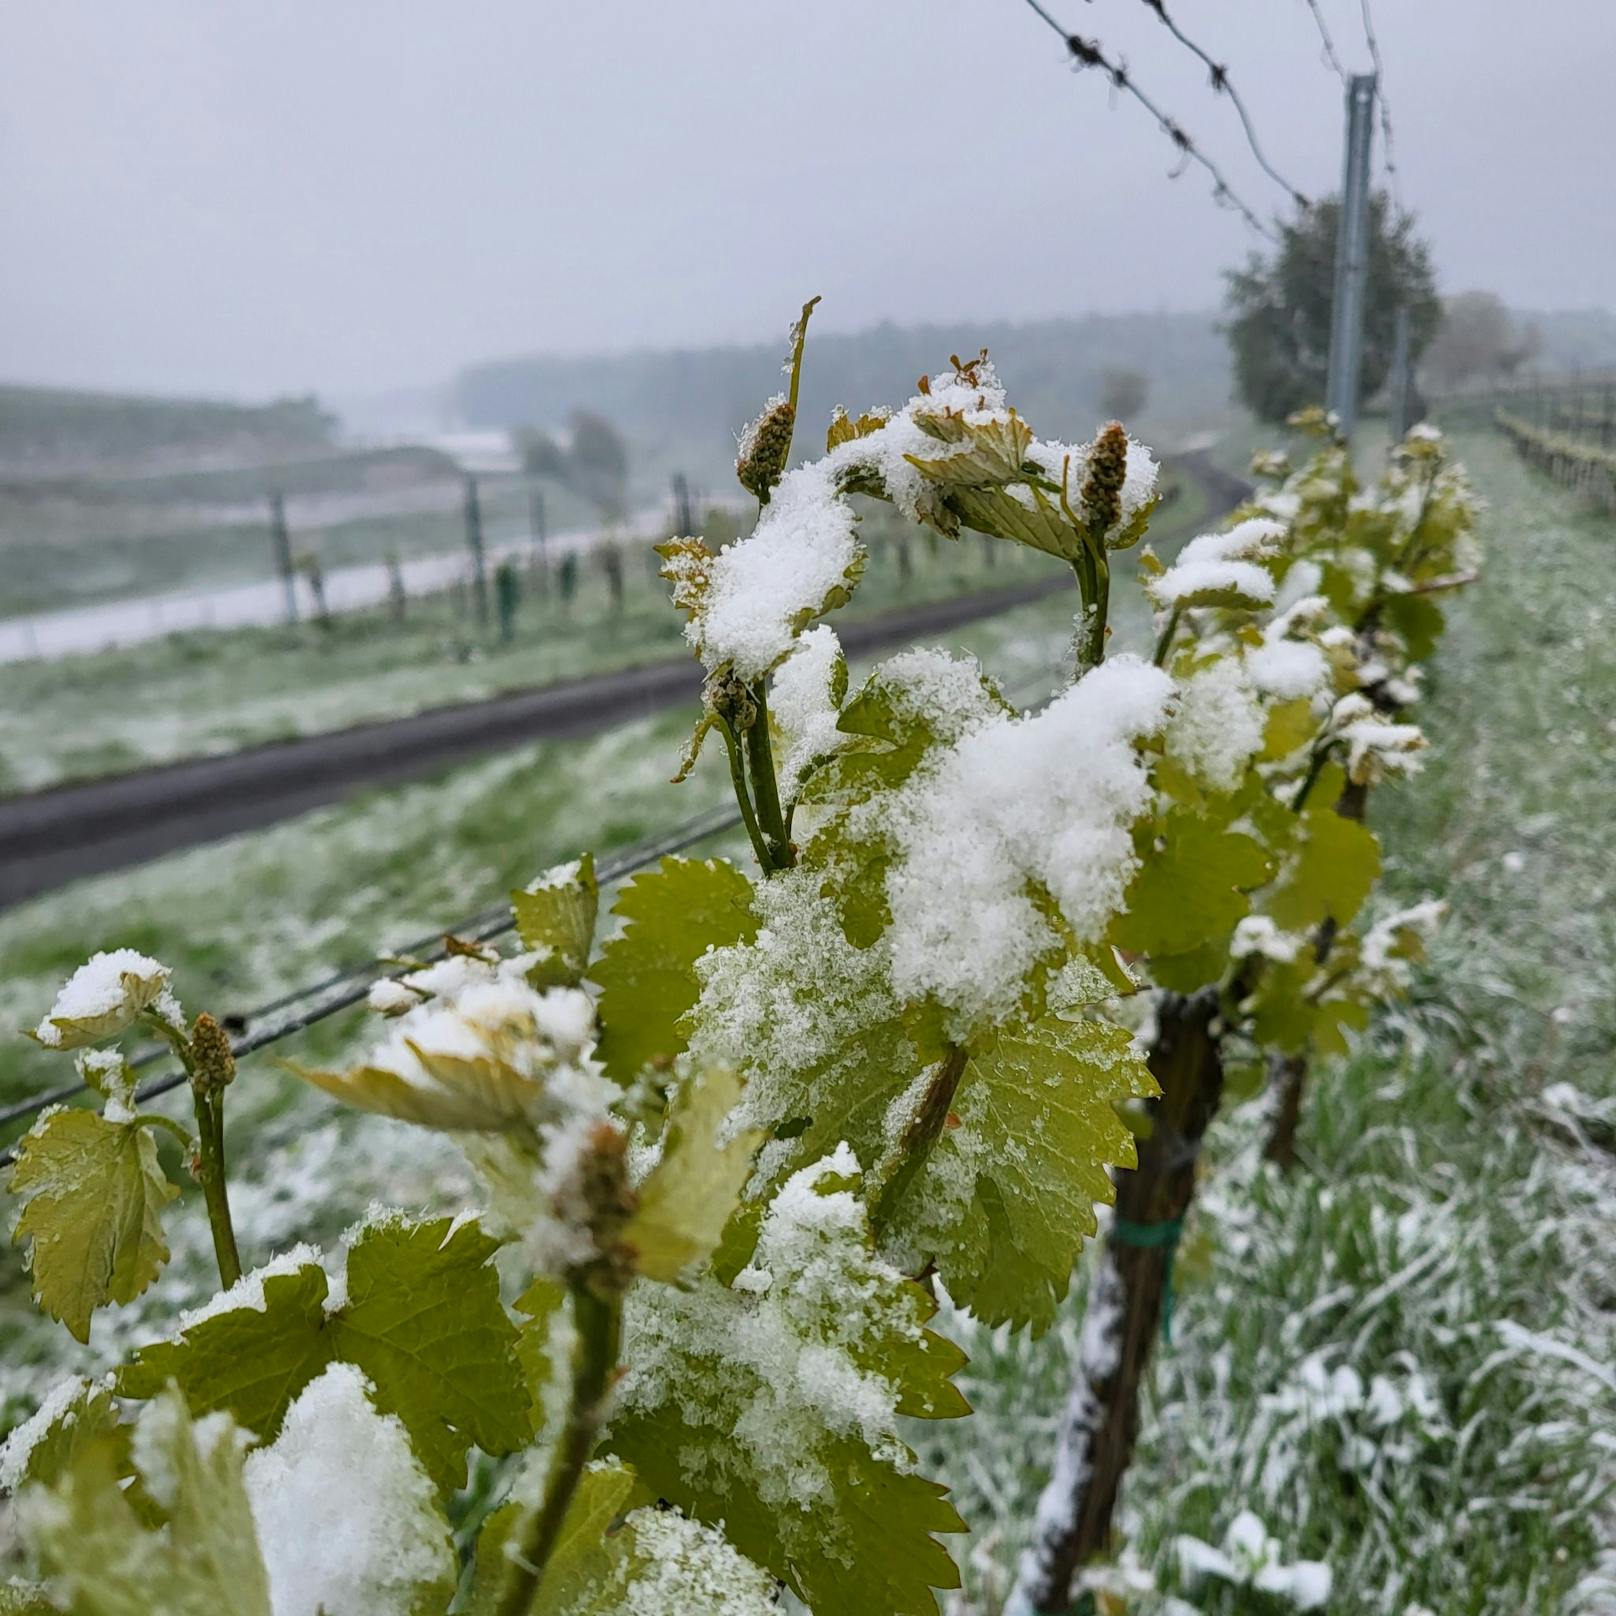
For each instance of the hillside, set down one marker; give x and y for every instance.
(53, 432)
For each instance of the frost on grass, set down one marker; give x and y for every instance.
(104, 996)
(347, 1519)
(1250, 1558)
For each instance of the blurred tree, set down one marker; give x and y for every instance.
(592, 463)
(1279, 308)
(1478, 340)
(1123, 392)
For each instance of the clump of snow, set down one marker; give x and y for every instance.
(1250, 1558)
(107, 992)
(803, 704)
(1222, 562)
(681, 1567)
(111, 1076)
(1287, 669)
(389, 997)
(1377, 750)
(347, 1519)
(1217, 727)
(1257, 934)
(1048, 798)
(761, 588)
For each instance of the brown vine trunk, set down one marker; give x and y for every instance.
(1289, 1072)
(1288, 1076)
(1124, 1313)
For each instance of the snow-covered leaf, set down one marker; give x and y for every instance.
(556, 915)
(421, 1317)
(205, 1558)
(103, 997)
(771, 1406)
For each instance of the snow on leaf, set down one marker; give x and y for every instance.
(73, 1414)
(484, 1059)
(348, 1520)
(421, 1317)
(93, 1194)
(771, 1405)
(205, 1557)
(687, 1198)
(646, 973)
(103, 997)
(557, 913)
(1007, 1197)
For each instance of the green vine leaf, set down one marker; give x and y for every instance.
(76, 1413)
(1007, 1197)
(93, 1194)
(1332, 867)
(555, 915)
(421, 1317)
(1191, 889)
(646, 973)
(687, 1198)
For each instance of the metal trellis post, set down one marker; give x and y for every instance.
(1351, 257)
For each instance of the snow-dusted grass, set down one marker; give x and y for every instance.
(1400, 1356)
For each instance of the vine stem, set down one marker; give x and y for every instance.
(215, 1188)
(598, 1323)
(743, 797)
(1164, 641)
(765, 786)
(209, 1161)
(924, 1130)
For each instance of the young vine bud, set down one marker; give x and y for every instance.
(730, 699)
(609, 1201)
(1101, 498)
(213, 1062)
(764, 446)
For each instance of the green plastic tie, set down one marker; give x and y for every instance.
(1154, 1237)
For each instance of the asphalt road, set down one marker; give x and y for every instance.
(49, 838)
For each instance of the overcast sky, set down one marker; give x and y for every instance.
(254, 196)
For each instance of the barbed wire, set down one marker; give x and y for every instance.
(1331, 55)
(1089, 53)
(1388, 153)
(1222, 84)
